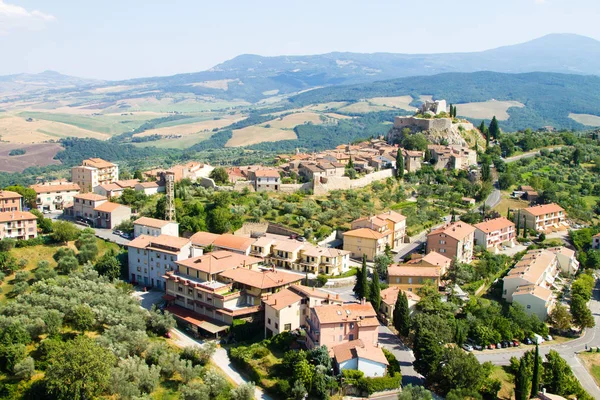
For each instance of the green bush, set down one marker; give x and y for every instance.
(372, 385)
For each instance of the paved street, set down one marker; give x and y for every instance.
(403, 353)
(493, 199)
(568, 350)
(415, 242)
(105, 234)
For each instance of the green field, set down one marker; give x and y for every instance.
(109, 124)
(180, 143)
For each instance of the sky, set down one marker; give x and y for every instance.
(123, 39)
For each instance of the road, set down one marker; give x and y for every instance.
(568, 350)
(106, 234)
(403, 353)
(415, 242)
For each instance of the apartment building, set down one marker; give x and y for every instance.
(288, 309)
(18, 225)
(330, 325)
(109, 215)
(151, 257)
(365, 241)
(94, 172)
(115, 189)
(494, 233)
(537, 267)
(389, 296)
(543, 218)
(567, 260)
(84, 205)
(389, 221)
(411, 277)
(154, 227)
(266, 180)
(10, 201)
(53, 196)
(455, 240)
(536, 300)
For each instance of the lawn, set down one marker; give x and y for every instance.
(34, 254)
(507, 203)
(508, 386)
(592, 364)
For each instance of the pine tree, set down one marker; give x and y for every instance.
(494, 128)
(375, 291)
(399, 165)
(401, 317)
(535, 381)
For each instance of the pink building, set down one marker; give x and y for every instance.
(331, 325)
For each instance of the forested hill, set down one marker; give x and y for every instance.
(549, 98)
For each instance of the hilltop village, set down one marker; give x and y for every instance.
(340, 271)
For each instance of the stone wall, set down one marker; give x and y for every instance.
(295, 187)
(422, 123)
(252, 227)
(277, 229)
(345, 183)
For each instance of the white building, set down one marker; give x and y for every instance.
(18, 225)
(535, 300)
(151, 257)
(493, 233)
(154, 227)
(149, 188)
(596, 241)
(94, 172)
(53, 196)
(360, 356)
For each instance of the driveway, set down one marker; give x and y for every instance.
(568, 351)
(403, 353)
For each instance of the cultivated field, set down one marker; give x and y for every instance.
(222, 84)
(16, 129)
(487, 109)
(586, 119)
(364, 107)
(177, 104)
(292, 120)
(338, 116)
(181, 143)
(36, 155)
(258, 134)
(194, 128)
(402, 102)
(333, 105)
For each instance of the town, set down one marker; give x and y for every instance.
(373, 306)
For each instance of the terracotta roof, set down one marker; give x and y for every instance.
(267, 173)
(392, 216)
(152, 242)
(365, 233)
(597, 235)
(45, 188)
(152, 222)
(228, 241)
(7, 194)
(108, 207)
(98, 163)
(562, 250)
(90, 196)
(409, 270)
(128, 183)
(532, 265)
(495, 224)
(317, 251)
(8, 216)
(432, 258)
(264, 241)
(281, 299)
(390, 295)
(109, 187)
(456, 230)
(313, 292)
(534, 290)
(219, 261)
(358, 349)
(203, 238)
(261, 279)
(543, 209)
(290, 245)
(148, 184)
(335, 313)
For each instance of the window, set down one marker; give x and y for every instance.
(276, 325)
(442, 250)
(139, 269)
(341, 326)
(409, 280)
(351, 326)
(351, 337)
(528, 306)
(269, 321)
(287, 327)
(442, 242)
(340, 338)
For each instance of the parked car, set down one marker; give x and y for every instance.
(549, 338)
(467, 347)
(506, 344)
(498, 345)
(516, 343)
(117, 232)
(491, 346)
(528, 341)
(478, 347)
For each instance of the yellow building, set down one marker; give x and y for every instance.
(365, 241)
(94, 172)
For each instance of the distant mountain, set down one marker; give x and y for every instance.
(47, 80)
(548, 98)
(253, 77)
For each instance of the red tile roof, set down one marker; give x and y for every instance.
(8, 216)
(281, 299)
(261, 279)
(219, 261)
(151, 222)
(358, 349)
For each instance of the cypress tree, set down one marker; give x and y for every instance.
(451, 110)
(364, 276)
(399, 165)
(522, 382)
(453, 213)
(401, 318)
(375, 291)
(482, 127)
(358, 284)
(494, 128)
(519, 223)
(535, 381)
(487, 140)
(508, 214)
(525, 228)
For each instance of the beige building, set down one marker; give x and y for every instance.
(84, 206)
(411, 278)
(18, 225)
(452, 157)
(266, 180)
(154, 227)
(53, 196)
(538, 267)
(535, 300)
(389, 297)
(109, 215)
(543, 218)
(115, 189)
(455, 240)
(94, 172)
(151, 257)
(149, 188)
(389, 221)
(494, 233)
(365, 241)
(10, 201)
(412, 160)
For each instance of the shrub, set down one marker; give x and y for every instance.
(67, 264)
(393, 365)
(24, 369)
(215, 382)
(372, 385)
(158, 322)
(199, 355)
(19, 289)
(194, 391)
(21, 276)
(244, 391)
(7, 244)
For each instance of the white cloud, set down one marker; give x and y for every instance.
(13, 17)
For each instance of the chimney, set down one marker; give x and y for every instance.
(275, 302)
(337, 296)
(363, 301)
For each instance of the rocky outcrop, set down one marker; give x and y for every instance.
(436, 130)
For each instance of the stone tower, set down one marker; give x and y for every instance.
(170, 192)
